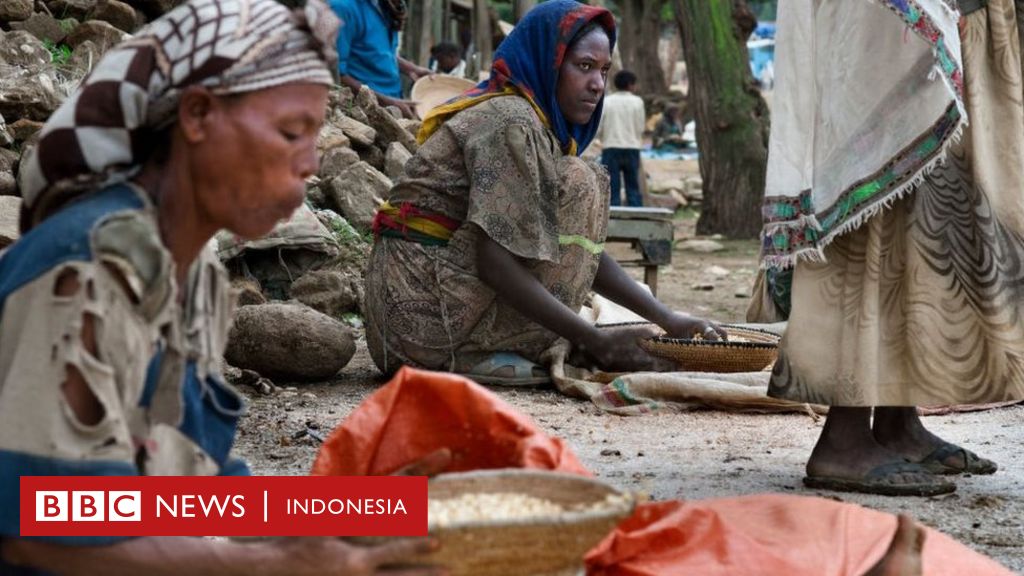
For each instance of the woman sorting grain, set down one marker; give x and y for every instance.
(906, 227)
(493, 235)
(115, 313)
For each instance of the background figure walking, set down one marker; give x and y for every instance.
(621, 134)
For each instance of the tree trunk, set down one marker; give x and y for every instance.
(732, 118)
(482, 34)
(639, 34)
(522, 7)
(426, 9)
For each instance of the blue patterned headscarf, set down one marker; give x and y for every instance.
(527, 64)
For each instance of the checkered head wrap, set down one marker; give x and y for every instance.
(105, 131)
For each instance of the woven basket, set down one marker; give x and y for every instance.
(759, 352)
(538, 546)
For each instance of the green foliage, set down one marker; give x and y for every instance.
(60, 54)
(353, 319)
(346, 234)
(67, 25)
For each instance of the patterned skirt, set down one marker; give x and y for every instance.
(923, 304)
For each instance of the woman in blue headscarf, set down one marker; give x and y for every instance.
(493, 236)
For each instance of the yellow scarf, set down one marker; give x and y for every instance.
(442, 114)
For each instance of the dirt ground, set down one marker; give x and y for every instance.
(694, 455)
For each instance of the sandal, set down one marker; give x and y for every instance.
(887, 480)
(526, 373)
(936, 462)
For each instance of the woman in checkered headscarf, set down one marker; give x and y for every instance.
(114, 312)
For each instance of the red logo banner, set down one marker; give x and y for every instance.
(223, 506)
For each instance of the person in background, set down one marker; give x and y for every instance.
(368, 50)
(668, 132)
(447, 60)
(621, 134)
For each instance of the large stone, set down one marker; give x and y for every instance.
(43, 27)
(247, 292)
(104, 35)
(328, 291)
(694, 190)
(663, 186)
(360, 134)
(373, 156)
(8, 184)
(701, 246)
(8, 166)
(118, 14)
(6, 139)
(24, 129)
(387, 126)
(395, 159)
(83, 59)
(19, 48)
(331, 137)
(356, 192)
(8, 159)
(411, 126)
(290, 342)
(30, 95)
(335, 161)
(668, 201)
(15, 10)
(77, 9)
(10, 215)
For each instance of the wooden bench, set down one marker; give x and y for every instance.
(648, 233)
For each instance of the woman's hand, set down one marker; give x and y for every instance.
(406, 107)
(678, 325)
(618, 350)
(417, 72)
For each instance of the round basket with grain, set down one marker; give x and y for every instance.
(746, 350)
(517, 522)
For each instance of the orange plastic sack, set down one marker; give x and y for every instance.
(419, 412)
(767, 534)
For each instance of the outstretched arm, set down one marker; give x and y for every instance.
(172, 556)
(613, 283)
(513, 283)
(412, 70)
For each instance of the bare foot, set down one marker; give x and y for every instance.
(903, 558)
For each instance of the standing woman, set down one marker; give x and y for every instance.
(895, 187)
(493, 237)
(115, 310)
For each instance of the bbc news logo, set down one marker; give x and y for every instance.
(223, 506)
(89, 506)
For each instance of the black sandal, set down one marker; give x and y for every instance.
(936, 462)
(883, 480)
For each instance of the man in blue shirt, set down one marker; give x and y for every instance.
(368, 50)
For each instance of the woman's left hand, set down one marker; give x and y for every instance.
(680, 325)
(419, 72)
